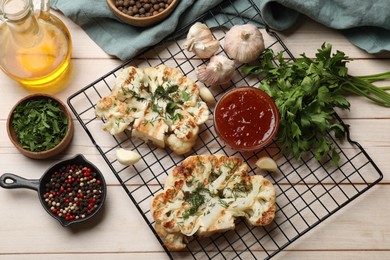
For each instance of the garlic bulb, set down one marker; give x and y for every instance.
(219, 70)
(200, 41)
(244, 43)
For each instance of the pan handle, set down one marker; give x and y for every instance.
(12, 181)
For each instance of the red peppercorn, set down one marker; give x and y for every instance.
(64, 192)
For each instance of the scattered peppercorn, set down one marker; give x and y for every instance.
(142, 8)
(73, 192)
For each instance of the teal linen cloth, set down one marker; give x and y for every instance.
(366, 23)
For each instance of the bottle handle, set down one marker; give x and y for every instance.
(45, 9)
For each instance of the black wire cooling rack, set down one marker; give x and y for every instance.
(308, 191)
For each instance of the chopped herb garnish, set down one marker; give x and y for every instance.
(214, 175)
(134, 94)
(156, 108)
(190, 182)
(160, 92)
(130, 109)
(231, 165)
(240, 187)
(186, 95)
(177, 117)
(223, 203)
(200, 164)
(172, 89)
(151, 121)
(171, 107)
(196, 200)
(39, 124)
(170, 110)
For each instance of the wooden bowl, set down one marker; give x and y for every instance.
(142, 21)
(61, 146)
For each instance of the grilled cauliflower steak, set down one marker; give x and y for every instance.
(156, 104)
(205, 194)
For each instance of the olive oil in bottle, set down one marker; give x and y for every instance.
(35, 48)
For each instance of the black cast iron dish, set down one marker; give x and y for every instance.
(12, 181)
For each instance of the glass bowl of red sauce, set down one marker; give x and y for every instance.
(246, 119)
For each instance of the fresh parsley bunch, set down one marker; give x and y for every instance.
(306, 92)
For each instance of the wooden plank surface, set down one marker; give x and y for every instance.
(358, 231)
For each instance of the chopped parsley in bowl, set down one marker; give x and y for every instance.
(40, 126)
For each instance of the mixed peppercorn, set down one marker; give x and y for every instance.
(73, 192)
(142, 8)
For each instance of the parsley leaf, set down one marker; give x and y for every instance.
(39, 124)
(306, 92)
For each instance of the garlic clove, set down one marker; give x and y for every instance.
(219, 70)
(267, 164)
(244, 43)
(206, 95)
(127, 157)
(200, 40)
(206, 49)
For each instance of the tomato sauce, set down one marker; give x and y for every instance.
(246, 118)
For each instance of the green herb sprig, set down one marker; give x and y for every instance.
(196, 200)
(39, 124)
(306, 92)
(174, 101)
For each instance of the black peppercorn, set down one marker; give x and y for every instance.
(73, 192)
(142, 8)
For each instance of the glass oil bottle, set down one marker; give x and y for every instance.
(35, 46)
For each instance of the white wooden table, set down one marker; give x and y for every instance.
(361, 230)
